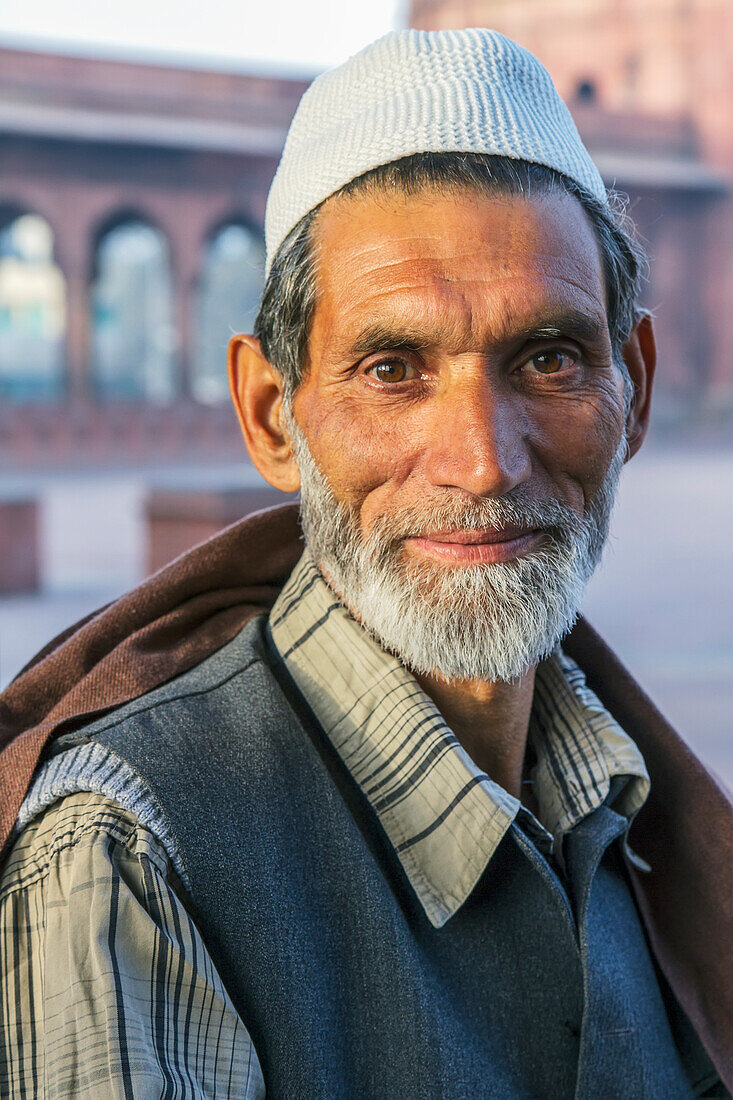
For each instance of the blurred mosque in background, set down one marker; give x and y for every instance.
(131, 210)
(132, 202)
(650, 85)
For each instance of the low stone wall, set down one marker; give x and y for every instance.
(19, 552)
(176, 520)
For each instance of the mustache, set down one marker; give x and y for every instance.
(519, 508)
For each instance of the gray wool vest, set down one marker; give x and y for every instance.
(536, 988)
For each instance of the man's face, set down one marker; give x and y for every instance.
(463, 417)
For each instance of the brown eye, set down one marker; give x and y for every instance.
(550, 362)
(389, 370)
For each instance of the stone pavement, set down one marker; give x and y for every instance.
(663, 597)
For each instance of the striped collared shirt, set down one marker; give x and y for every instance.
(107, 988)
(444, 816)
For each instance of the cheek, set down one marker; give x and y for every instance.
(576, 442)
(364, 457)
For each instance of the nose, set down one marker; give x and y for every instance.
(479, 441)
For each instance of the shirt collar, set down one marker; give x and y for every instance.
(443, 815)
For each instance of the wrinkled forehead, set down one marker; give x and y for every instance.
(511, 257)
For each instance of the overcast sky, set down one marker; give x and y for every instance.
(296, 36)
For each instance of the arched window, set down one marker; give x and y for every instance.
(133, 345)
(232, 276)
(32, 311)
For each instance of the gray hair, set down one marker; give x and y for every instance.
(288, 301)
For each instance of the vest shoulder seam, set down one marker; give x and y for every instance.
(115, 719)
(162, 703)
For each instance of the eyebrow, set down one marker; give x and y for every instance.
(570, 324)
(380, 335)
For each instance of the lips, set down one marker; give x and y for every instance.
(486, 546)
(478, 538)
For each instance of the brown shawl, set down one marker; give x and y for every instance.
(199, 602)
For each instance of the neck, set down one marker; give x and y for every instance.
(489, 718)
(491, 721)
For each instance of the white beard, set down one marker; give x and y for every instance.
(487, 621)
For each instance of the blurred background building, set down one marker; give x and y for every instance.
(132, 202)
(131, 209)
(650, 85)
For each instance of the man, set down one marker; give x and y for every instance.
(377, 844)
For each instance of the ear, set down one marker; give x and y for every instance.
(256, 389)
(640, 355)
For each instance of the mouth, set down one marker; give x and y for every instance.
(476, 546)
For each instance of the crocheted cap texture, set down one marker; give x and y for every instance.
(422, 91)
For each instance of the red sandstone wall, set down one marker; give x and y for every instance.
(661, 57)
(663, 74)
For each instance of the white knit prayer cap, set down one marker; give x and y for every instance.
(417, 92)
